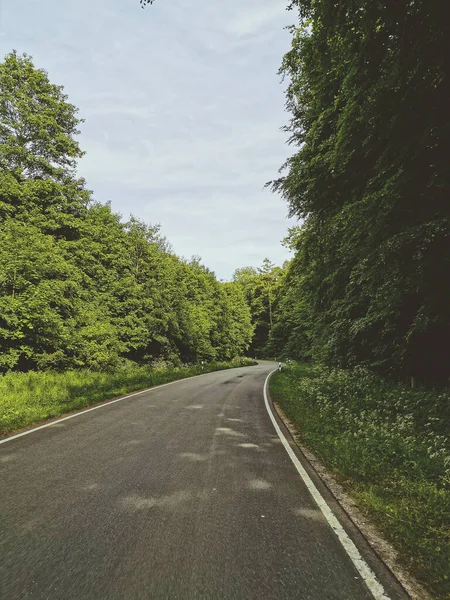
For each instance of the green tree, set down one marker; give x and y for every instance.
(261, 287)
(37, 124)
(367, 96)
(41, 206)
(38, 150)
(235, 325)
(37, 286)
(78, 286)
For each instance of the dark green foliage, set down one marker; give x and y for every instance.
(368, 97)
(79, 287)
(389, 447)
(369, 283)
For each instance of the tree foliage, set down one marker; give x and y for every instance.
(78, 286)
(368, 92)
(261, 287)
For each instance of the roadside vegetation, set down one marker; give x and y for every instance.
(365, 297)
(80, 288)
(27, 398)
(389, 447)
(368, 283)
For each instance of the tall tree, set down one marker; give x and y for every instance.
(38, 150)
(368, 101)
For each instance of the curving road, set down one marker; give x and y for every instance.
(182, 492)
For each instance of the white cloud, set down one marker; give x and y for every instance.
(183, 111)
(253, 18)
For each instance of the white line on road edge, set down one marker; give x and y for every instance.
(83, 412)
(362, 567)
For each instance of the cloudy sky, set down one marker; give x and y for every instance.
(183, 109)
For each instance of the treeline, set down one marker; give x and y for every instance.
(261, 287)
(368, 100)
(79, 287)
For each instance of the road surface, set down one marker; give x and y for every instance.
(182, 492)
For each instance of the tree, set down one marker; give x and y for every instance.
(78, 286)
(42, 205)
(367, 97)
(235, 325)
(36, 291)
(37, 124)
(38, 150)
(260, 287)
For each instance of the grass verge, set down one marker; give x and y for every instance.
(389, 447)
(27, 398)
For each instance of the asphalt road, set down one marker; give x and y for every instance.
(182, 492)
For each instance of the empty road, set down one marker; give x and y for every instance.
(182, 492)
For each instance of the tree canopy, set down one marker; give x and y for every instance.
(367, 93)
(261, 287)
(78, 285)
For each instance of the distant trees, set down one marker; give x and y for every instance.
(368, 98)
(261, 287)
(79, 287)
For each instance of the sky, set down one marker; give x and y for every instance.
(183, 110)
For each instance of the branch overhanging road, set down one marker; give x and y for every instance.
(182, 492)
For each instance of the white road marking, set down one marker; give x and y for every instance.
(362, 567)
(83, 412)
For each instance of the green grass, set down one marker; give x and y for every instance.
(389, 446)
(27, 398)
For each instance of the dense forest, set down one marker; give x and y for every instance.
(79, 287)
(367, 95)
(261, 287)
(368, 284)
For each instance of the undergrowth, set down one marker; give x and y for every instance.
(389, 446)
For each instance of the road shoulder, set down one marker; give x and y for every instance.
(377, 552)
